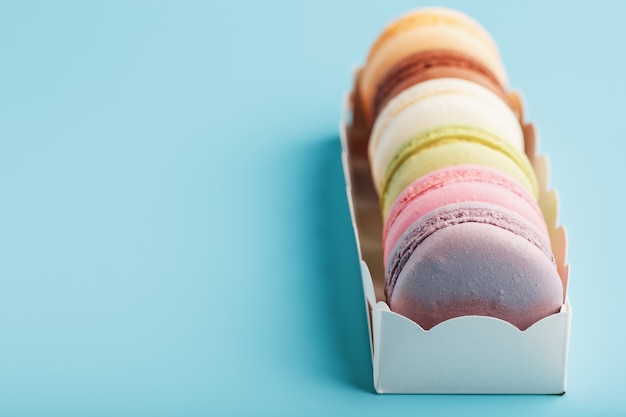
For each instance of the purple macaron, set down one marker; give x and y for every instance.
(473, 259)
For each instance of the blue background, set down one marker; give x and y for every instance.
(174, 232)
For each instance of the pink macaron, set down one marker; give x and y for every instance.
(455, 184)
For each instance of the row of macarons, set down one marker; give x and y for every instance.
(463, 233)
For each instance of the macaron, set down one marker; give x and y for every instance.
(432, 64)
(448, 146)
(473, 258)
(428, 29)
(455, 184)
(438, 103)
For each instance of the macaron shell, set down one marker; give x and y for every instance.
(477, 269)
(436, 28)
(433, 16)
(440, 148)
(457, 184)
(434, 104)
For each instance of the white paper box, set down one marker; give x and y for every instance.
(472, 354)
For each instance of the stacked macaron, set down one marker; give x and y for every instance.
(463, 233)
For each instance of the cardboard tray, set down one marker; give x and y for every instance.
(471, 354)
